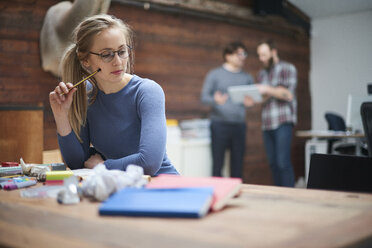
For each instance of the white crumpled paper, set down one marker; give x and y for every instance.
(102, 183)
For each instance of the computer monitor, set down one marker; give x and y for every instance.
(369, 88)
(353, 116)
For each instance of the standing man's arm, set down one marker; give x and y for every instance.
(209, 94)
(278, 92)
(286, 90)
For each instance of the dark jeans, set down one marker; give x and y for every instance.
(278, 151)
(228, 136)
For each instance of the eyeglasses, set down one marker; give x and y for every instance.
(108, 56)
(242, 54)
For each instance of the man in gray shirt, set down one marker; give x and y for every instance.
(228, 125)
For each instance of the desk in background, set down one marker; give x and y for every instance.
(328, 134)
(262, 216)
(317, 142)
(192, 157)
(189, 148)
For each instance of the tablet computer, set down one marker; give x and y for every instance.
(237, 93)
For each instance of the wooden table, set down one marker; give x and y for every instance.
(262, 216)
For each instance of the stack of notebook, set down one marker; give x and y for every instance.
(183, 202)
(223, 188)
(57, 177)
(173, 196)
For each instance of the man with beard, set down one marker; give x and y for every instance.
(277, 83)
(228, 125)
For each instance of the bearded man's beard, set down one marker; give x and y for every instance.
(270, 64)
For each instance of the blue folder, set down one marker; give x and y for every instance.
(180, 202)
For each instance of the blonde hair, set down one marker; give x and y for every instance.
(72, 70)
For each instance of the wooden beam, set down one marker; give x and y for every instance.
(225, 12)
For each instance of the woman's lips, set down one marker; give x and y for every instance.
(117, 72)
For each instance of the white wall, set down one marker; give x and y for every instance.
(341, 62)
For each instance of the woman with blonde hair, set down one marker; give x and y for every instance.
(115, 117)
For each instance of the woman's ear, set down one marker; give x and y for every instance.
(84, 62)
(86, 66)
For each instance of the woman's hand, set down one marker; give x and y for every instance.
(93, 161)
(60, 98)
(60, 104)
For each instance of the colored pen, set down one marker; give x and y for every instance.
(25, 183)
(11, 176)
(3, 183)
(19, 185)
(10, 186)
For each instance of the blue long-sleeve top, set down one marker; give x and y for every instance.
(126, 127)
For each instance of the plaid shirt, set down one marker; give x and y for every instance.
(276, 112)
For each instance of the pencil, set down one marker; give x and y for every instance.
(91, 75)
(11, 176)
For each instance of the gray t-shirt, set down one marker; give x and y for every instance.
(220, 79)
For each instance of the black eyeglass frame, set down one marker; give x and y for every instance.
(129, 49)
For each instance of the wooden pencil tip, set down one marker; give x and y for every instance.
(99, 69)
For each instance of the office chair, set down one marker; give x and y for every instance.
(340, 172)
(366, 113)
(337, 123)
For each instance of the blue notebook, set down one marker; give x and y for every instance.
(180, 202)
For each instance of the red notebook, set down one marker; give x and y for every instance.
(224, 188)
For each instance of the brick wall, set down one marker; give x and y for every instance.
(175, 49)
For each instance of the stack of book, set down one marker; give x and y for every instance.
(173, 196)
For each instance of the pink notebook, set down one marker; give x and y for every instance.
(223, 188)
